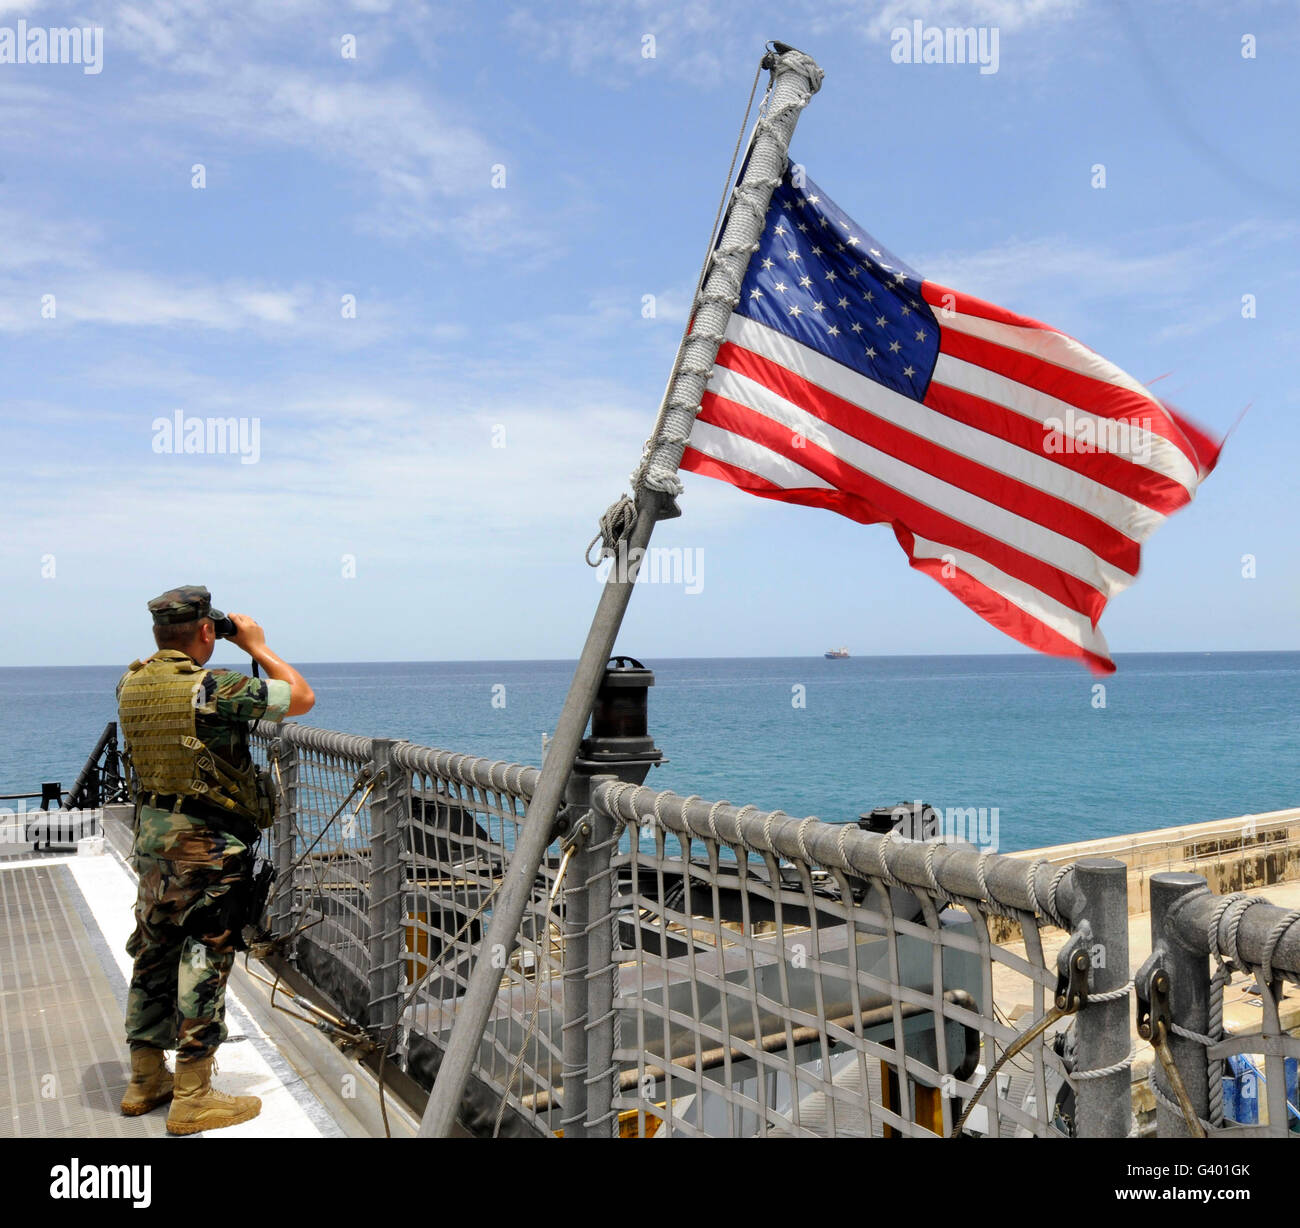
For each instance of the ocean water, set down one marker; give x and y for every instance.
(1172, 739)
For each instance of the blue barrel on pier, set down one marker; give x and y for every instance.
(1243, 1090)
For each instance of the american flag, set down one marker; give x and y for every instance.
(1017, 467)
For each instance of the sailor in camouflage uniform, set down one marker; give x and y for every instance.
(200, 807)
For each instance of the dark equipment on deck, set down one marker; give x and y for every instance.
(911, 820)
(101, 781)
(620, 743)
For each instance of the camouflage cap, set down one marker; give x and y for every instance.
(183, 605)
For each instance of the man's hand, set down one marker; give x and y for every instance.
(252, 639)
(248, 635)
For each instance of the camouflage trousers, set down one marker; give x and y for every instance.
(184, 932)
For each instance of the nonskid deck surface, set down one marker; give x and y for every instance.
(64, 971)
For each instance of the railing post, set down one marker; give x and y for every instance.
(577, 913)
(390, 809)
(1189, 1002)
(1104, 1105)
(602, 973)
(283, 906)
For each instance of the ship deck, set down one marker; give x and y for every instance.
(64, 922)
(64, 1062)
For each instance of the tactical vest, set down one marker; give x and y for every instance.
(157, 716)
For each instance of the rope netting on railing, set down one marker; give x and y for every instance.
(794, 977)
(696, 968)
(444, 824)
(1250, 1059)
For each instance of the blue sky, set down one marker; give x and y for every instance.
(514, 314)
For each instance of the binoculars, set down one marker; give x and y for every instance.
(224, 627)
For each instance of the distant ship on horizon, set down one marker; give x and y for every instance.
(836, 654)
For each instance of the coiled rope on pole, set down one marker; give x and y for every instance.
(728, 260)
(677, 415)
(1275, 936)
(1225, 965)
(617, 521)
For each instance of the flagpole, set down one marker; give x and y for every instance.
(795, 78)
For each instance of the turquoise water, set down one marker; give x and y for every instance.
(1181, 738)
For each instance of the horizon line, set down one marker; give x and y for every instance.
(866, 656)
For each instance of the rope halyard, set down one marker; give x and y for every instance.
(1080, 1076)
(615, 524)
(265, 945)
(1072, 996)
(1111, 995)
(1057, 879)
(602, 918)
(1223, 969)
(617, 521)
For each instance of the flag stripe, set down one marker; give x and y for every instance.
(893, 504)
(1144, 487)
(1061, 619)
(752, 481)
(944, 299)
(988, 440)
(854, 461)
(1168, 449)
(1007, 616)
(1040, 342)
(751, 379)
(1000, 599)
(733, 449)
(981, 320)
(1054, 629)
(872, 412)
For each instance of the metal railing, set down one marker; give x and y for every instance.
(695, 968)
(1182, 1005)
(388, 857)
(783, 976)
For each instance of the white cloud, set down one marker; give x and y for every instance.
(699, 40)
(272, 77)
(690, 39)
(130, 298)
(410, 153)
(32, 239)
(391, 471)
(1048, 275)
(1006, 15)
(49, 256)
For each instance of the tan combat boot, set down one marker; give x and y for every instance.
(197, 1105)
(151, 1082)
